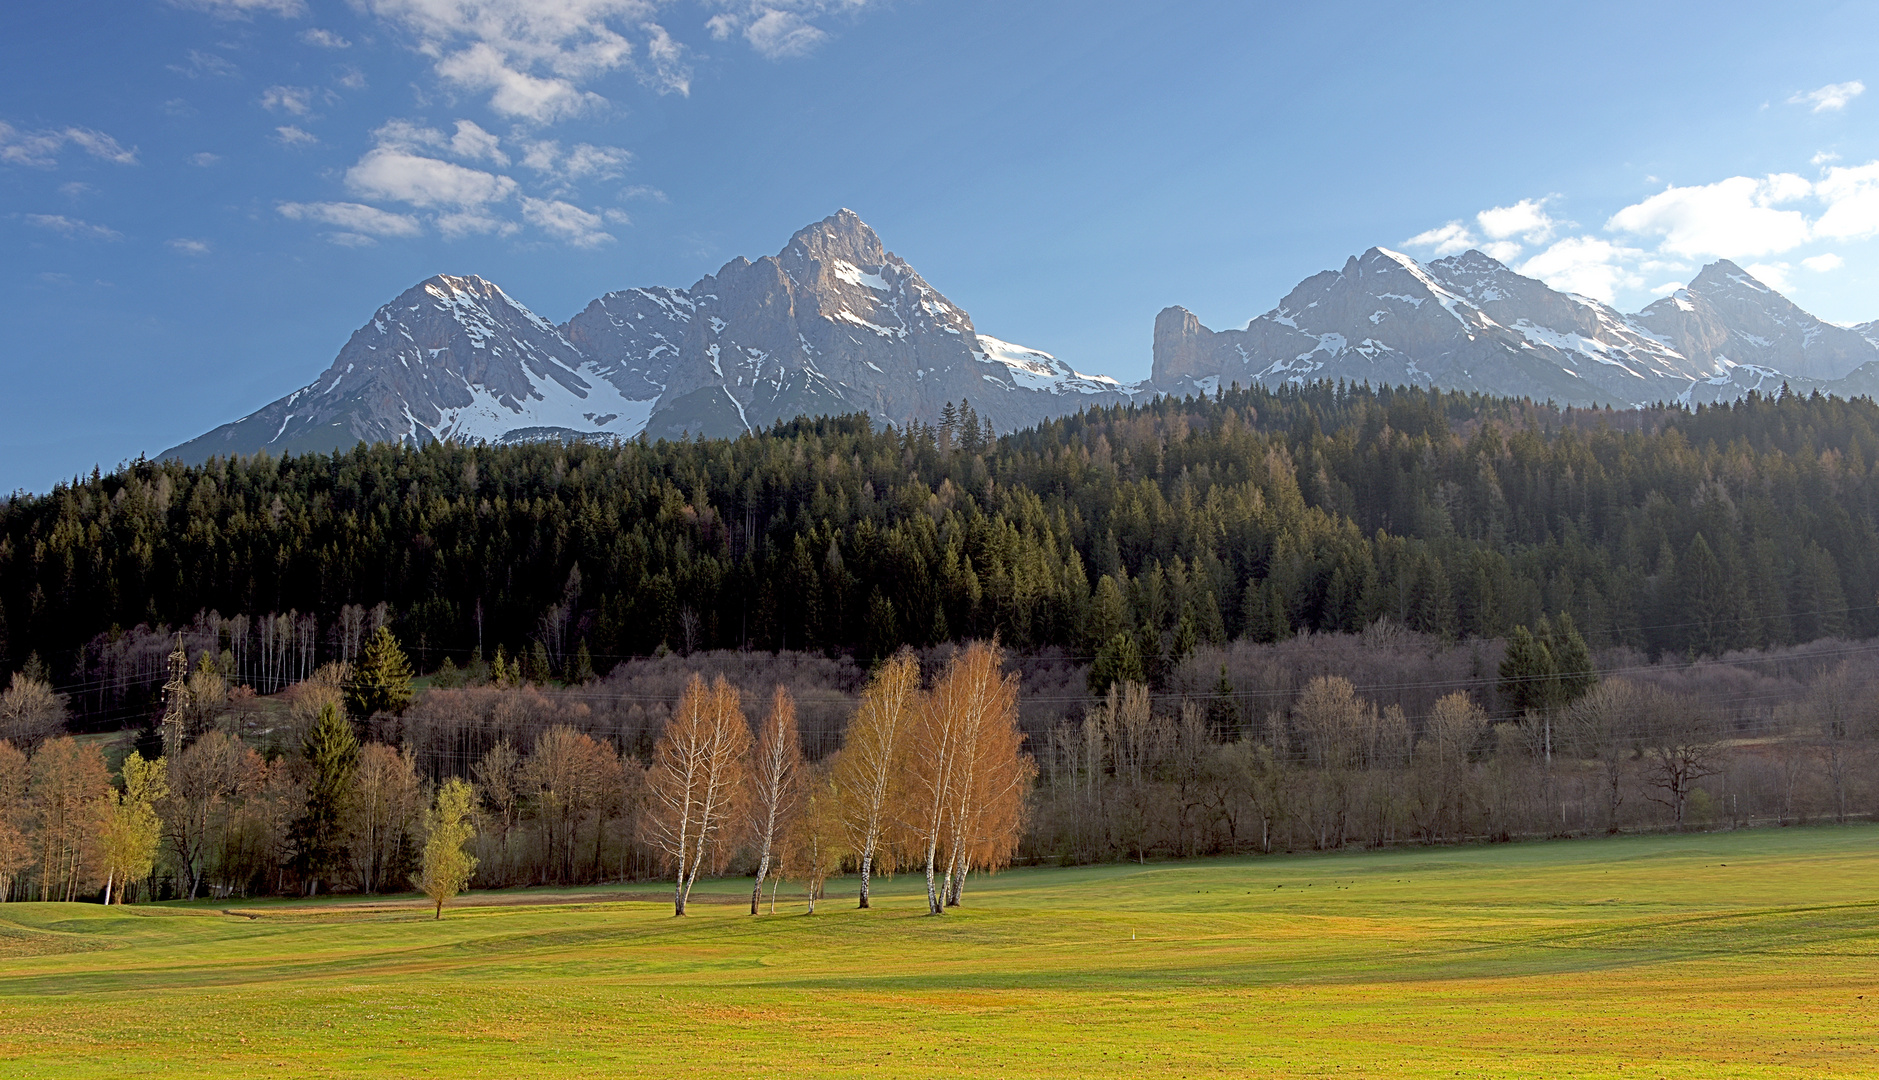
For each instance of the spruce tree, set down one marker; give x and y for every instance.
(581, 668)
(535, 667)
(1526, 673)
(1118, 661)
(381, 681)
(332, 753)
(1574, 673)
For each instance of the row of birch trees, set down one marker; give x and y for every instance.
(932, 778)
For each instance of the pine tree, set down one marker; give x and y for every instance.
(381, 681)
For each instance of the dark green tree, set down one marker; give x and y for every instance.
(1527, 674)
(581, 668)
(1119, 660)
(381, 681)
(332, 753)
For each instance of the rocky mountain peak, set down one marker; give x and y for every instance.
(1724, 276)
(840, 237)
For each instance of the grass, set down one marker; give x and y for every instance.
(1752, 954)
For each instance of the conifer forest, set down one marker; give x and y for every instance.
(1253, 621)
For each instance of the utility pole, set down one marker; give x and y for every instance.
(175, 700)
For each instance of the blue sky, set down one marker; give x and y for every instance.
(201, 199)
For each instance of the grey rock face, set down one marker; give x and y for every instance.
(1727, 318)
(452, 357)
(1470, 323)
(836, 323)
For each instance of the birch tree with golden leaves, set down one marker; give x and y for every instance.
(696, 779)
(775, 785)
(969, 701)
(817, 839)
(985, 811)
(869, 771)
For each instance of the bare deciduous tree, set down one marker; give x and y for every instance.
(868, 770)
(695, 780)
(775, 781)
(206, 779)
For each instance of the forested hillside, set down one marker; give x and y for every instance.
(1250, 514)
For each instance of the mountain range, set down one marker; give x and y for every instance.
(835, 323)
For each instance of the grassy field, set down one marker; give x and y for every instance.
(1729, 955)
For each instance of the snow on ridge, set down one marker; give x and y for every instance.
(1038, 370)
(855, 275)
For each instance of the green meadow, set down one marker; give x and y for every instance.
(1743, 954)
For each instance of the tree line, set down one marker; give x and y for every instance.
(931, 777)
(1145, 532)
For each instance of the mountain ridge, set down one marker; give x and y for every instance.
(835, 322)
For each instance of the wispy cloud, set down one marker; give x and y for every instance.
(566, 221)
(41, 149)
(357, 223)
(777, 28)
(324, 39)
(188, 246)
(297, 100)
(289, 135)
(532, 57)
(241, 9)
(204, 159)
(72, 227)
(201, 64)
(1830, 98)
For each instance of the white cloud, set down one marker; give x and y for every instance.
(1821, 264)
(353, 218)
(532, 55)
(643, 191)
(294, 99)
(72, 189)
(400, 176)
(1502, 251)
(777, 34)
(512, 92)
(1586, 265)
(1526, 219)
(289, 135)
(466, 222)
(565, 220)
(324, 39)
(1666, 288)
(202, 63)
(352, 79)
(1852, 197)
(470, 143)
(241, 9)
(1831, 97)
(1730, 219)
(1450, 239)
(584, 161)
(204, 159)
(777, 28)
(42, 148)
(1824, 157)
(189, 247)
(1773, 275)
(72, 227)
